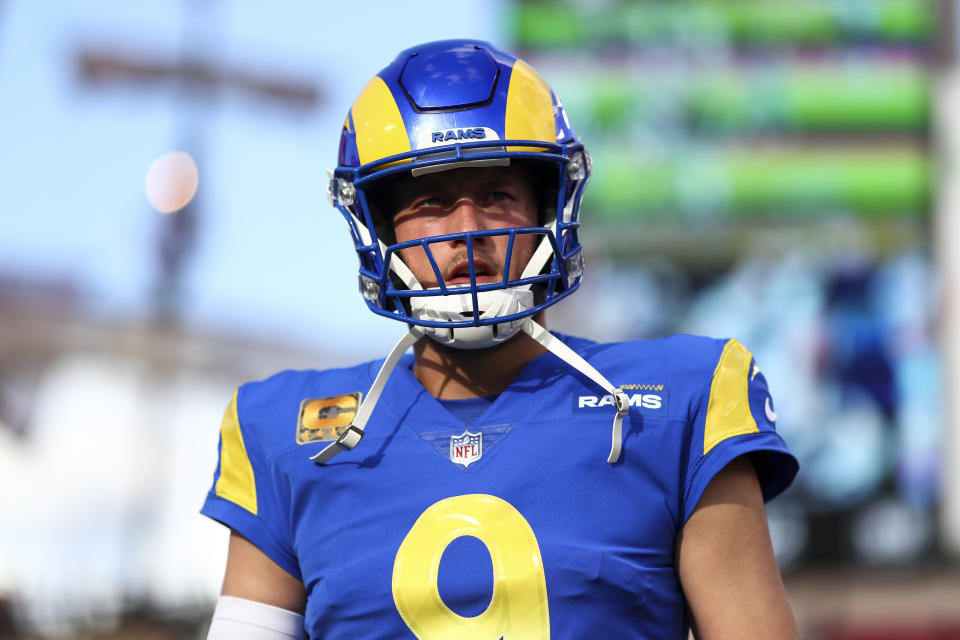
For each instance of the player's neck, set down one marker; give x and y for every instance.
(472, 373)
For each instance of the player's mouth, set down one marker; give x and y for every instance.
(460, 274)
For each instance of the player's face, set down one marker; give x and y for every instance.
(467, 199)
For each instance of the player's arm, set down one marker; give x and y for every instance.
(726, 564)
(259, 601)
(252, 575)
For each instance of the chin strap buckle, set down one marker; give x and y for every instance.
(622, 402)
(350, 438)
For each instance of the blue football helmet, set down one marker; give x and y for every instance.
(446, 105)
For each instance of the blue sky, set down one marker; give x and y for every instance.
(273, 259)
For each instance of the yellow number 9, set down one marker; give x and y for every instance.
(518, 608)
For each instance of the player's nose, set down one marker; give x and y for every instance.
(466, 215)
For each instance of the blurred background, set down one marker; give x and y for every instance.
(782, 172)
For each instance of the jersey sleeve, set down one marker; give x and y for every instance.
(245, 496)
(734, 417)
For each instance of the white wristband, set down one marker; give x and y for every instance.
(239, 619)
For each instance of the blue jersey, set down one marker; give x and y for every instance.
(513, 525)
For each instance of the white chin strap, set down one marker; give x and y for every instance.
(352, 435)
(459, 307)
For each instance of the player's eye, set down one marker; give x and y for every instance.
(428, 202)
(500, 196)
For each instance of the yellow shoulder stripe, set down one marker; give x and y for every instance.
(236, 482)
(728, 411)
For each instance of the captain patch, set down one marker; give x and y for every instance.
(326, 418)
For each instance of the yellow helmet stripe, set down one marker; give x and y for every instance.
(529, 114)
(379, 127)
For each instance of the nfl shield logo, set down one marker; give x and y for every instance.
(466, 448)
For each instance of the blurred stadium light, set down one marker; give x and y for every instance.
(197, 79)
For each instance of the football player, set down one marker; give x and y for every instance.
(502, 481)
